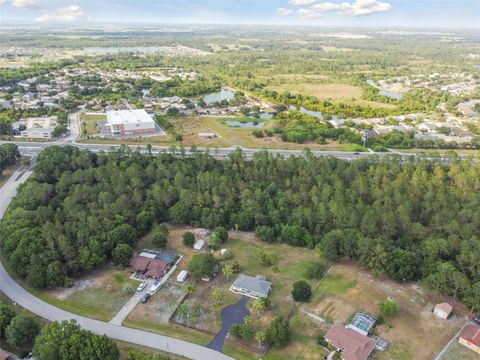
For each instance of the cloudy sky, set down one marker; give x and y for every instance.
(421, 13)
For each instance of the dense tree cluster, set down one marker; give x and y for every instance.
(66, 340)
(412, 219)
(8, 155)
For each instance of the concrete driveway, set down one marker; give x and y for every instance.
(231, 314)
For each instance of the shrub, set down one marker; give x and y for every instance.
(301, 291)
(388, 308)
(188, 239)
(315, 270)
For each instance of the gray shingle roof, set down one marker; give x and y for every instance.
(257, 285)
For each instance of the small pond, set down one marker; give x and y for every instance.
(244, 124)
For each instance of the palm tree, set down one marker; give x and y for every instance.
(261, 337)
(227, 270)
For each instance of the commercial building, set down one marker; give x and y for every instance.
(38, 128)
(130, 122)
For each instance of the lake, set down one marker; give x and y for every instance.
(224, 94)
(391, 94)
(244, 125)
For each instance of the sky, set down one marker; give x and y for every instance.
(354, 13)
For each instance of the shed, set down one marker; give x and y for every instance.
(199, 244)
(443, 310)
(182, 276)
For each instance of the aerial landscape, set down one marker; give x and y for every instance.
(207, 179)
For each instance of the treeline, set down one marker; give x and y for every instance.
(8, 155)
(184, 87)
(414, 220)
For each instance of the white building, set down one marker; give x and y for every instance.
(130, 122)
(38, 128)
(199, 244)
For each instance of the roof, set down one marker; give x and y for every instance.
(199, 244)
(134, 116)
(5, 355)
(257, 285)
(150, 267)
(355, 345)
(471, 333)
(446, 307)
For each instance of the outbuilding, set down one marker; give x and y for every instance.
(443, 310)
(199, 244)
(182, 276)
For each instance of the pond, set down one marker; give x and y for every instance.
(316, 114)
(224, 94)
(244, 124)
(262, 115)
(391, 94)
(371, 82)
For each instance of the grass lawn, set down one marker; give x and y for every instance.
(348, 289)
(125, 348)
(98, 295)
(324, 91)
(89, 121)
(458, 351)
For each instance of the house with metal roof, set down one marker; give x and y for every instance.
(252, 286)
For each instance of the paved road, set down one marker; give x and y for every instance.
(231, 314)
(22, 297)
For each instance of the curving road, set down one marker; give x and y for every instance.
(22, 297)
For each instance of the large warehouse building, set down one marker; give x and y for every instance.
(130, 122)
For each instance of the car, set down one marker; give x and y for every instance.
(141, 286)
(145, 298)
(356, 153)
(476, 318)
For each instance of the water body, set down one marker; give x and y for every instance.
(477, 66)
(146, 92)
(224, 94)
(391, 94)
(371, 82)
(244, 125)
(263, 116)
(316, 114)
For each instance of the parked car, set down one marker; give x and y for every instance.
(145, 298)
(476, 318)
(156, 285)
(141, 286)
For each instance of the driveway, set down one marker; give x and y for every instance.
(231, 314)
(143, 338)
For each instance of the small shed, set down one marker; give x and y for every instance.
(182, 276)
(206, 135)
(199, 244)
(443, 310)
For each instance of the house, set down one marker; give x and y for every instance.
(352, 344)
(182, 276)
(254, 287)
(362, 323)
(470, 337)
(199, 244)
(443, 310)
(153, 264)
(130, 122)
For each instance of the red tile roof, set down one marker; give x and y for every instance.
(471, 333)
(355, 346)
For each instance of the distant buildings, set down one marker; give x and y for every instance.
(254, 287)
(130, 122)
